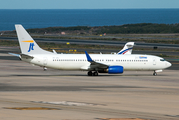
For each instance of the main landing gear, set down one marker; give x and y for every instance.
(90, 73)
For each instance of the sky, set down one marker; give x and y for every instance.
(88, 4)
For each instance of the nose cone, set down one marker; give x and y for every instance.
(168, 64)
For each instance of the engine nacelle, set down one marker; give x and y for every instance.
(113, 70)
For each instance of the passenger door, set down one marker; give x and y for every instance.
(154, 61)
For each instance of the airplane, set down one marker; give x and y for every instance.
(93, 63)
(127, 50)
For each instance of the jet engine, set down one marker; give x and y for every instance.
(112, 70)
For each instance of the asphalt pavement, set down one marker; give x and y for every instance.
(98, 42)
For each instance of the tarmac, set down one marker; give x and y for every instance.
(27, 92)
(99, 42)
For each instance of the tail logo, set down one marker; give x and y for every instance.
(124, 51)
(31, 46)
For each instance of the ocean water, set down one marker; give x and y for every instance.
(85, 17)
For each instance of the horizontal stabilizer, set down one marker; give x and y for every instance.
(22, 55)
(54, 51)
(17, 55)
(26, 56)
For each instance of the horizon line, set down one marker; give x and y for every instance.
(80, 8)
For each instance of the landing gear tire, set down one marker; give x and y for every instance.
(154, 74)
(44, 68)
(95, 74)
(90, 73)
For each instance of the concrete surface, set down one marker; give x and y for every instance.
(134, 94)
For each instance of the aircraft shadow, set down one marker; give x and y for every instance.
(84, 75)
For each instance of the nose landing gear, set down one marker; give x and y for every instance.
(44, 68)
(155, 73)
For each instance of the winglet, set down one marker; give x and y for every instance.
(88, 57)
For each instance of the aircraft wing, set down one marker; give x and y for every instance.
(95, 64)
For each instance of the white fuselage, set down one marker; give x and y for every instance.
(79, 61)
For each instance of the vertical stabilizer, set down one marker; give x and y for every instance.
(26, 42)
(127, 50)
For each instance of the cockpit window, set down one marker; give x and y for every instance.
(162, 59)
